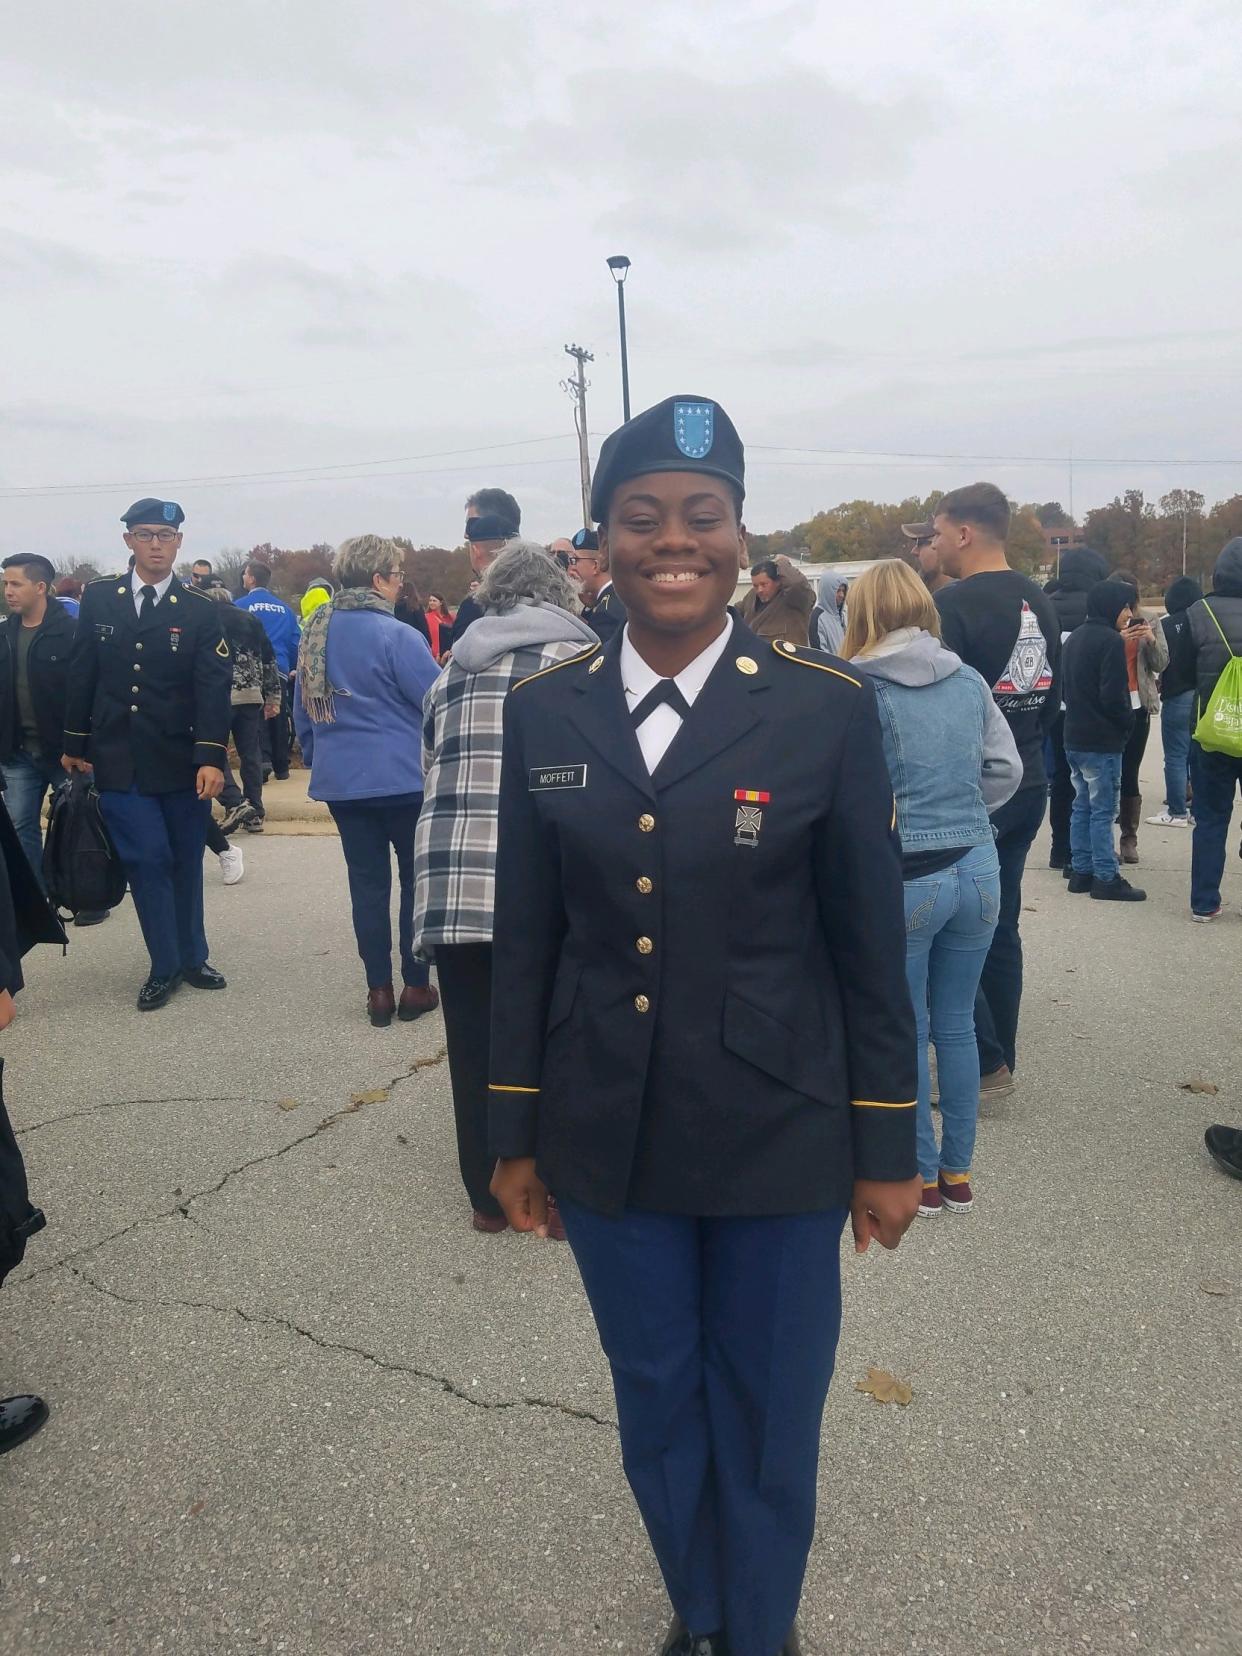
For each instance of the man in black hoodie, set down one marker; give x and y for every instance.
(1213, 633)
(1098, 721)
(1081, 568)
(1177, 700)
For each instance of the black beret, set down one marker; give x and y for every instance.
(680, 434)
(586, 540)
(154, 511)
(489, 528)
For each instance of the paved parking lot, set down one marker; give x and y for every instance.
(300, 1406)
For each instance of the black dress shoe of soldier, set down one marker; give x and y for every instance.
(205, 977)
(20, 1418)
(680, 1641)
(91, 917)
(157, 992)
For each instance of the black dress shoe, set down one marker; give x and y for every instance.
(157, 992)
(680, 1641)
(1224, 1145)
(205, 977)
(20, 1418)
(91, 917)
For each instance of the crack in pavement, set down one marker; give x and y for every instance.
(182, 1206)
(125, 1104)
(387, 1364)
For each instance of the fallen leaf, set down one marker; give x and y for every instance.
(287, 1103)
(401, 1139)
(885, 1387)
(196, 1509)
(1216, 1286)
(376, 1095)
(1197, 1084)
(1029, 908)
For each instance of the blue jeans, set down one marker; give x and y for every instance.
(950, 920)
(999, 1000)
(1176, 718)
(721, 1335)
(1215, 777)
(26, 780)
(371, 829)
(1097, 799)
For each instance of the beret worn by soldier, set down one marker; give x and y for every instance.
(586, 540)
(154, 511)
(680, 434)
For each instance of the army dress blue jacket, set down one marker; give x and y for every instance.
(148, 702)
(699, 999)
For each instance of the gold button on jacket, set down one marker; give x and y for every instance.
(646, 823)
(644, 945)
(644, 885)
(641, 1003)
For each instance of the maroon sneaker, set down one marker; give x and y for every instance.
(929, 1202)
(491, 1224)
(955, 1192)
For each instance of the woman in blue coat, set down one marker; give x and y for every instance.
(358, 706)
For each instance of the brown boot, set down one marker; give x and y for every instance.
(415, 1000)
(381, 1006)
(1131, 816)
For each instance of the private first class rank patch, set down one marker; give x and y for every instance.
(544, 777)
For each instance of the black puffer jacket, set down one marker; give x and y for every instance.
(1081, 568)
(1201, 651)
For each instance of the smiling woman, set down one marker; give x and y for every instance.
(702, 1039)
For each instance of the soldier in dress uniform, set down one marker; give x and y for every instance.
(148, 709)
(702, 1039)
(602, 610)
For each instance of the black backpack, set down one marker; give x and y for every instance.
(81, 869)
(18, 1220)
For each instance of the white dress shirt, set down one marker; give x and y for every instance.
(660, 726)
(160, 588)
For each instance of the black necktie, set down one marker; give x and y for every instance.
(665, 691)
(148, 601)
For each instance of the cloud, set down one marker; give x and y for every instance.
(35, 260)
(700, 162)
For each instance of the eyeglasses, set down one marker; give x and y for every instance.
(575, 558)
(392, 574)
(146, 536)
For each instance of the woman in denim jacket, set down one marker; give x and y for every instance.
(952, 760)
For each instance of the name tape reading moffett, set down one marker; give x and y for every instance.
(557, 776)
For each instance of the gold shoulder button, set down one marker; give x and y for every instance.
(569, 661)
(747, 665)
(791, 652)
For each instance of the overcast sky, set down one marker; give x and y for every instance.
(292, 236)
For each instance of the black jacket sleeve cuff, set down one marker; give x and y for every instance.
(884, 1141)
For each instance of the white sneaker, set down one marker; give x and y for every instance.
(231, 865)
(1163, 820)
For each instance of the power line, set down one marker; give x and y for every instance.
(272, 473)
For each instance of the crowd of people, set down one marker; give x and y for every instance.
(705, 885)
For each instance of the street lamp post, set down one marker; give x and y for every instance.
(619, 265)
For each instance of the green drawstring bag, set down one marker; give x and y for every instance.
(1219, 729)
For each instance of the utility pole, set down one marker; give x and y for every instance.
(577, 390)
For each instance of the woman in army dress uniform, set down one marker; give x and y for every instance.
(702, 1038)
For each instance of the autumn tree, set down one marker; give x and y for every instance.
(1052, 515)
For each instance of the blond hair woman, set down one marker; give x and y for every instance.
(952, 760)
